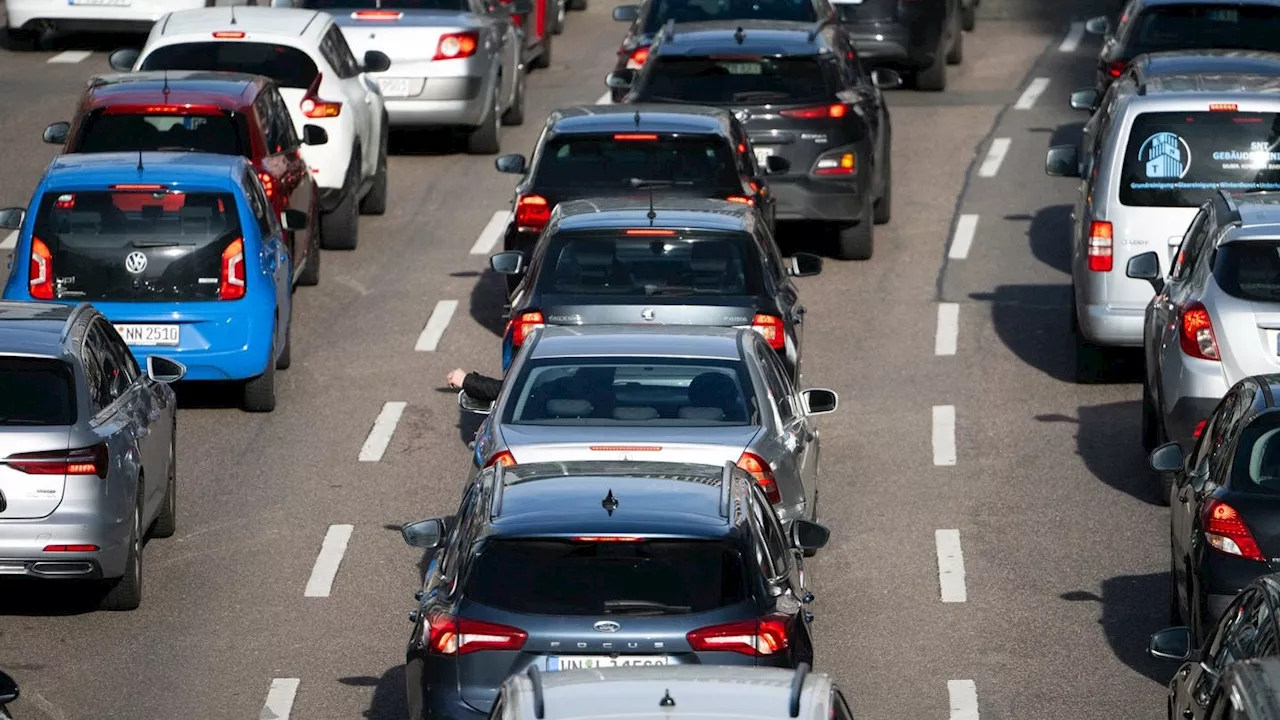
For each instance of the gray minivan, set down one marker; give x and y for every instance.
(1169, 133)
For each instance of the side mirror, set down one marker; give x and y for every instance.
(508, 263)
(1146, 266)
(819, 401)
(1167, 458)
(8, 690)
(164, 370)
(809, 535)
(293, 220)
(886, 79)
(124, 59)
(626, 13)
(1099, 25)
(805, 264)
(375, 62)
(1171, 644)
(620, 79)
(314, 135)
(425, 534)
(11, 218)
(513, 163)
(1084, 99)
(56, 134)
(776, 165)
(521, 7)
(1062, 161)
(472, 405)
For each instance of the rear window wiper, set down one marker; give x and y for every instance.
(643, 606)
(154, 243)
(670, 290)
(759, 95)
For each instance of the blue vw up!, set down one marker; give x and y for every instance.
(181, 251)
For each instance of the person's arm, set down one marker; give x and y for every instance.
(481, 387)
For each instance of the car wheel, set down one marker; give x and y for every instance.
(813, 516)
(125, 592)
(562, 11)
(934, 77)
(486, 139)
(339, 230)
(260, 392)
(855, 243)
(956, 55)
(166, 523)
(514, 115)
(310, 275)
(375, 202)
(883, 211)
(577, 4)
(21, 40)
(286, 354)
(969, 16)
(543, 61)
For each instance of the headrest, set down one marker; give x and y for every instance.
(708, 414)
(635, 413)
(568, 408)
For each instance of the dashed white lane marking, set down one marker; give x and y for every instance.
(966, 226)
(944, 434)
(944, 343)
(491, 232)
(279, 699)
(995, 156)
(605, 99)
(435, 327)
(964, 699)
(1033, 92)
(70, 56)
(950, 566)
(9, 242)
(327, 562)
(383, 428)
(1073, 38)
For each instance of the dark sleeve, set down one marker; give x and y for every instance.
(480, 387)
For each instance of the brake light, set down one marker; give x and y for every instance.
(65, 202)
(1100, 259)
(376, 15)
(608, 538)
(635, 136)
(741, 200)
(40, 282)
(1196, 336)
(71, 548)
(313, 107)
(532, 213)
(1223, 107)
(520, 327)
(182, 109)
(1199, 429)
(231, 280)
(638, 58)
(650, 232)
(268, 185)
(814, 113)
(757, 638)
(1116, 68)
(504, 458)
(1227, 533)
(772, 329)
(229, 35)
(139, 186)
(625, 448)
(457, 45)
(763, 474)
(450, 635)
(841, 164)
(83, 461)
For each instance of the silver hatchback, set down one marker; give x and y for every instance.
(87, 461)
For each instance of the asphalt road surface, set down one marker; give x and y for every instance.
(997, 550)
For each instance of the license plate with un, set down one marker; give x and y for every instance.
(556, 663)
(149, 334)
(763, 154)
(394, 87)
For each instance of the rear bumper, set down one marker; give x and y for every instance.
(214, 346)
(63, 16)
(442, 102)
(86, 516)
(1111, 326)
(1222, 577)
(1180, 423)
(909, 44)
(802, 197)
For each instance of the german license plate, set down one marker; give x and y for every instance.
(763, 154)
(149, 334)
(394, 87)
(556, 663)
(113, 3)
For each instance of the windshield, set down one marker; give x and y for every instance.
(651, 266)
(1180, 159)
(736, 81)
(613, 160)
(134, 245)
(36, 391)
(1249, 270)
(689, 11)
(1213, 26)
(567, 577)
(112, 130)
(288, 67)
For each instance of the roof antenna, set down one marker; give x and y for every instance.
(667, 700)
(610, 503)
(233, 13)
(165, 89)
(637, 119)
(140, 168)
(739, 35)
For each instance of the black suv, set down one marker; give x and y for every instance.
(920, 37)
(572, 565)
(803, 96)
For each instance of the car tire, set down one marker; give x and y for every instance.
(166, 523)
(882, 211)
(934, 77)
(339, 230)
(21, 40)
(286, 353)
(487, 139)
(969, 16)
(543, 61)
(813, 516)
(955, 55)
(375, 202)
(514, 116)
(856, 242)
(562, 12)
(125, 593)
(259, 393)
(310, 275)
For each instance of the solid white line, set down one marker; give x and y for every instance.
(605, 99)
(1033, 92)
(491, 232)
(326, 568)
(950, 566)
(70, 56)
(964, 699)
(9, 242)
(944, 343)
(1073, 38)
(436, 324)
(383, 428)
(279, 699)
(966, 226)
(995, 155)
(944, 435)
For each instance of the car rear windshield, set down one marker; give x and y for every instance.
(1256, 467)
(689, 11)
(613, 160)
(1249, 270)
(643, 392)
(668, 266)
(36, 391)
(289, 67)
(1177, 26)
(136, 245)
(737, 81)
(112, 130)
(569, 577)
(1180, 159)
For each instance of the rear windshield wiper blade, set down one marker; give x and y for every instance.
(670, 290)
(154, 243)
(640, 606)
(758, 95)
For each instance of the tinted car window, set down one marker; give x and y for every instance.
(636, 392)
(1176, 26)
(1249, 270)
(288, 67)
(613, 160)
(1179, 159)
(131, 245)
(36, 391)
(218, 133)
(686, 11)
(1257, 459)
(666, 266)
(567, 577)
(737, 81)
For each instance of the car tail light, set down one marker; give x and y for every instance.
(450, 635)
(313, 107)
(229, 35)
(84, 461)
(65, 202)
(1116, 68)
(836, 164)
(637, 58)
(533, 212)
(641, 137)
(763, 474)
(268, 185)
(1100, 259)
(457, 45)
(1196, 334)
(1223, 107)
(757, 638)
(177, 109)
(771, 328)
(608, 538)
(741, 200)
(231, 280)
(1227, 533)
(522, 325)
(819, 112)
(40, 282)
(377, 15)
(71, 548)
(1199, 429)
(649, 232)
(504, 458)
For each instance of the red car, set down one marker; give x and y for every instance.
(219, 113)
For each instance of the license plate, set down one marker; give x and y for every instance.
(763, 154)
(556, 663)
(394, 87)
(149, 334)
(113, 3)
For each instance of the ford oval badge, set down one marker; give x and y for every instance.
(608, 626)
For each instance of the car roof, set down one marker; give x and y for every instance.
(566, 341)
(33, 328)
(759, 37)
(252, 20)
(685, 213)
(639, 118)
(1209, 62)
(167, 168)
(229, 91)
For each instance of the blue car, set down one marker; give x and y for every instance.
(180, 251)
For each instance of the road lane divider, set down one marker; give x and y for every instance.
(944, 343)
(492, 231)
(1028, 98)
(964, 699)
(380, 435)
(280, 698)
(320, 584)
(950, 566)
(962, 240)
(1072, 41)
(605, 99)
(429, 340)
(995, 156)
(944, 435)
(10, 242)
(68, 57)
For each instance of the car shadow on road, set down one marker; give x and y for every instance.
(27, 596)
(1133, 607)
(389, 701)
(420, 142)
(1049, 235)
(1067, 134)
(488, 301)
(1107, 440)
(98, 42)
(208, 395)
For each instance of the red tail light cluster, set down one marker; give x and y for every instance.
(71, 548)
(504, 458)
(453, 46)
(533, 212)
(40, 273)
(836, 164)
(313, 107)
(84, 461)
(1100, 244)
(756, 638)
(1196, 333)
(760, 470)
(231, 280)
(637, 58)
(1227, 533)
(268, 185)
(816, 113)
(522, 325)
(449, 635)
(772, 329)
(1116, 68)
(741, 200)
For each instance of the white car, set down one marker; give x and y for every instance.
(321, 81)
(28, 20)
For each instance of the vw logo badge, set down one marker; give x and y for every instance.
(608, 626)
(647, 314)
(742, 115)
(135, 262)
